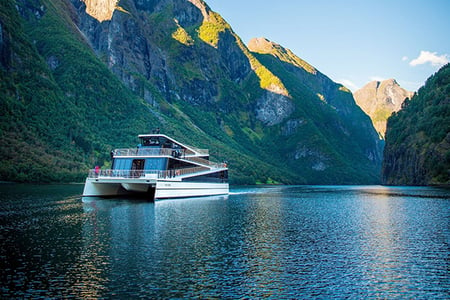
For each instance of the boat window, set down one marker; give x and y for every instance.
(152, 141)
(155, 164)
(122, 164)
(138, 164)
(167, 144)
(218, 177)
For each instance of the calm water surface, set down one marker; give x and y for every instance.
(277, 242)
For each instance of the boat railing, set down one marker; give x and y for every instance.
(180, 172)
(109, 173)
(142, 151)
(148, 152)
(205, 161)
(200, 151)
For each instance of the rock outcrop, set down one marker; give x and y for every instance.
(101, 10)
(379, 99)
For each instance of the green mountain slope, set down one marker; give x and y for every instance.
(340, 140)
(417, 148)
(73, 88)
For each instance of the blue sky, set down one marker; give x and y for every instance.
(353, 42)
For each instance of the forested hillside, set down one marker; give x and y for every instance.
(73, 88)
(417, 148)
(60, 114)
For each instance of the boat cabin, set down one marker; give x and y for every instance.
(159, 167)
(158, 153)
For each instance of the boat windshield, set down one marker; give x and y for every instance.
(150, 141)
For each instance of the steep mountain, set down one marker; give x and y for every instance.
(322, 108)
(417, 148)
(81, 77)
(379, 99)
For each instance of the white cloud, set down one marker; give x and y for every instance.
(349, 84)
(405, 58)
(430, 57)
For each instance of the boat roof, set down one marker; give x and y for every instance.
(193, 149)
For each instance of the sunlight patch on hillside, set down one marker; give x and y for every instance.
(211, 28)
(102, 10)
(182, 36)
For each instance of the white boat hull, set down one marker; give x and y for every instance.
(173, 189)
(156, 189)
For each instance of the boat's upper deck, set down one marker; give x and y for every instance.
(152, 145)
(162, 155)
(162, 141)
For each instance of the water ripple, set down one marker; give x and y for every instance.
(277, 242)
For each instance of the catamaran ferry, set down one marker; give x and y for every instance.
(159, 168)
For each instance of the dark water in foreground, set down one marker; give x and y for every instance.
(278, 242)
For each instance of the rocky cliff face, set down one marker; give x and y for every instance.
(145, 52)
(380, 99)
(417, 148)
(179, 65)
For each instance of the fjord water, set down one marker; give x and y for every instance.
(274, 242)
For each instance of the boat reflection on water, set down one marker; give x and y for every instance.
(133, 240)
(93, 203)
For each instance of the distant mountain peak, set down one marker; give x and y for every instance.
(264, 46)
(377, 83)
(379, 99)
